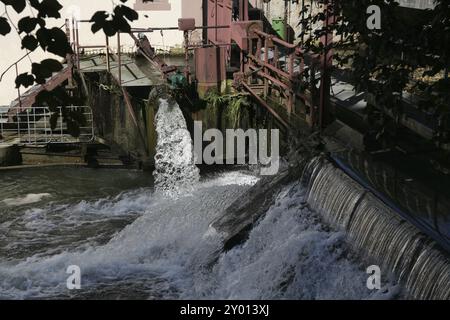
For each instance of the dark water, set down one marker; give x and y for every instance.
(46, 210)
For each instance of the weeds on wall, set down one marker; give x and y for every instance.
(233, 108)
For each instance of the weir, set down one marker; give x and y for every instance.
(192, 237)
(377, 231)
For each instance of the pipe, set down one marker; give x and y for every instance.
(120, 59)
(149, 30)
(108, 64)
(275, 39)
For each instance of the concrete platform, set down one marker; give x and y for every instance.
(10, 155)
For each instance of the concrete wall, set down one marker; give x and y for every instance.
(10, 155)
(113, 122)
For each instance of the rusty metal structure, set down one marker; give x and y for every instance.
(269, 68)
(235, 49)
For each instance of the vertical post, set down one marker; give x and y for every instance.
(258, 49)
(119, 58)
(67, 29)
(28, 126)
(275, 57)
(73, 34)
(45, 124)
(216, 16)
(69, 56)
(18, 89)
(291, 78)
(186, 56)
(108, 66)
(61, 126)
(77, 35)
(266, 60)
(325, 112)
(303, 19)
(34, 125)
(18, 124)
(243, 10)
(205, 5)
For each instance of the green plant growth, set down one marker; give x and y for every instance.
(234, 107)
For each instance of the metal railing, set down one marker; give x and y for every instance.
(15, 65)
(32, 127)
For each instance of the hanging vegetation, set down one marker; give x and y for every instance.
(409, 52)
(234, 107)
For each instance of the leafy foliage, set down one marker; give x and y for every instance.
(54, 40)
(386, 62)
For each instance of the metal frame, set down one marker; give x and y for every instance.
(32, 127)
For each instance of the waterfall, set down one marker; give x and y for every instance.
(388, 240)
(175, 168)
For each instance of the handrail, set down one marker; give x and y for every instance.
(12, 65)
(275, 39)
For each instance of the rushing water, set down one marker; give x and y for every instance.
(156, 248)
(175, 168)
(376, 230)
(131, 241)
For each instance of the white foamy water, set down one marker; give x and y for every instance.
(167, 249)
(175, 168)
(160, 249)
(28, 199)
(172, 252)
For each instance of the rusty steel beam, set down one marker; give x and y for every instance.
(266, 105)
(150, 30)
(269, 77)
(269, 66)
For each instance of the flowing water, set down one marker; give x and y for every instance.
(390, 241)
(131, 240)
(175, 168)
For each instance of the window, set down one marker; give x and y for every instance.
(155, 5)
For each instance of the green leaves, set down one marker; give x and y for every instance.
(411, 43)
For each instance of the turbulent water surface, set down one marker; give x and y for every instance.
(132, 241)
